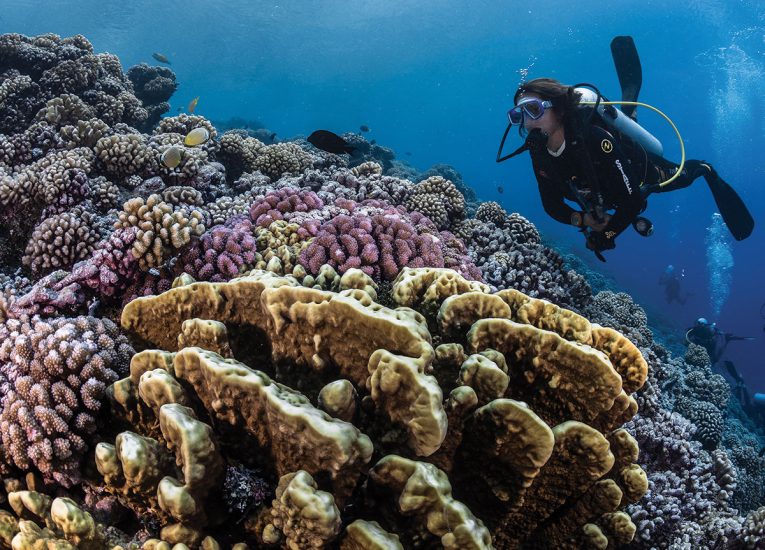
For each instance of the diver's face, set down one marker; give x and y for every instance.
(549, 122)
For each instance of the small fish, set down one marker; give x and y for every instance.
(364, 128)
(500, 189)
(373, 142)
(172, 156)
(193, 105)
(180, 109)
(272, 136)
(731, 368)
(161, 58)
(330, 142)
(761, 453)
(408, 154)
(197, 136)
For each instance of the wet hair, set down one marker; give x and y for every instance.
(563, 98)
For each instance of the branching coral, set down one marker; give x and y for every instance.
(57, 372)
(59, 241)
(280, 159)
(380, 246)
(160, 229)
(439, 200)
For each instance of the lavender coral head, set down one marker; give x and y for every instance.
(279, 204)
(57, 372)
(221, 253)
(379, 245)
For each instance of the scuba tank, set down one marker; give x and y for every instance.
(622, 123)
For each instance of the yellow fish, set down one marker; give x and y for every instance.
(197, 136)
(172, 156)
(193, 105)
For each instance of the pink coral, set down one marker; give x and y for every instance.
(379, 245)
(55, 374)
(221, 253)
(279, 204)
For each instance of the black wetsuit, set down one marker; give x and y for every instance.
(671, 284)
(714, 340)
(625, 175)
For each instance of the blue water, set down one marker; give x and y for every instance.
(435, 79)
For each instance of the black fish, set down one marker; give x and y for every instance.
(762, 452)
(364, 128)
(161, 58)
(731, 368)
(408, 154)
(330, 142)
(373, 142)
(500, 189)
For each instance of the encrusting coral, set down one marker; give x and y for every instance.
(509, 460)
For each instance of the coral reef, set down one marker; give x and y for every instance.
(330, 355)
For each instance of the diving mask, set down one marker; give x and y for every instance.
(532, 107)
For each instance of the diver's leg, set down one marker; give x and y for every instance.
(692, 170)
(733, 210)
(661, 170)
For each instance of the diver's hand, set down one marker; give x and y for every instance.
(590, 221)
(597, 242)
(536, 140)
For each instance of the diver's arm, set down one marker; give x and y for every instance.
(553, 200)
(615, 172)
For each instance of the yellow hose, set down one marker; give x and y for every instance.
(679, 137)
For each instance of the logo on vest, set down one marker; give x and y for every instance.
(607, 146)
(624, 176)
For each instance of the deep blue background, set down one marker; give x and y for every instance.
(435, 79)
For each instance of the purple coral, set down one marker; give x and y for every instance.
(56, 373)
(149, 284)
(456, 257)
(344, 243)
(379, 245)
(220, 254)
(279, 204)
(112, 268)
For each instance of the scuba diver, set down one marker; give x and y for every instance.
(671, 283)
(586, 151)
(711, 338)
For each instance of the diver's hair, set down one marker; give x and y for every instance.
(563, 98)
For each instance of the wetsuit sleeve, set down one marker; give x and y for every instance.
(617, 181)
(553, 199)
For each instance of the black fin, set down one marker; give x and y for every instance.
(628, 69)
(732, 209)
